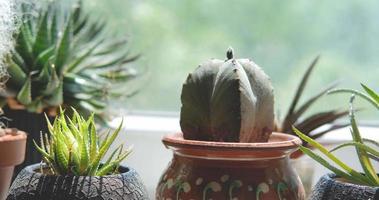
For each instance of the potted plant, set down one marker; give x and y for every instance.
(72, 165)
(345, 182)
(62, 57)
(12, 151)
(227, 149)
(296, 115)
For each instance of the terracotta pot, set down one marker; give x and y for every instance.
(331, 188)
(218, 170)
(12, 152)
(32, 123)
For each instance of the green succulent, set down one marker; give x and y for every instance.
(229, 101)
(64, 57)
(73, 147)
(310, 124)
(365, 152)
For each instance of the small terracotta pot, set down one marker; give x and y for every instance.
(331, 188)
(219, 170)
(12, 152)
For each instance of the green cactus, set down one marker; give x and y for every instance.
(227, 101)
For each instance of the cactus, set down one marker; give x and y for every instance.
(227, 101)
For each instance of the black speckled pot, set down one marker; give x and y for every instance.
(328, 188)
(31, 185)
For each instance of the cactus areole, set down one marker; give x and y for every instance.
(227, 101)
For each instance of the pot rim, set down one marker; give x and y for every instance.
(32, 169)
(12, 147)
(276, 141)
(280, 145)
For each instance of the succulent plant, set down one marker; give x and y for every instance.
(227, 101)
(310, 124)
(367, 149)
(75, 148)
(64, 57)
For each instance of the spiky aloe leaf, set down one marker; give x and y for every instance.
(25, 94)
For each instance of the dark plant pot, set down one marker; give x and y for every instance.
(330, 188)
(225, 171)
(33, 124)
(32, 185)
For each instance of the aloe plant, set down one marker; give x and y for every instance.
(366, 153)
(310, 124)
(228, 100)
(63, 56)
(73, 147)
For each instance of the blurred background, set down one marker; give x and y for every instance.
(283, 37)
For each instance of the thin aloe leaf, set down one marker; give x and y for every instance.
(376, 158)
(319, 119)
(361, 146)
(304, 107)
(358, 93)
(332, 128)
(25, 94)
(362, 155)
(371, 93)
(370, 141)
(324, 151)
(329, 166)
(300, 88)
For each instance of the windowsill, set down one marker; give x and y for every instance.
(170, 124)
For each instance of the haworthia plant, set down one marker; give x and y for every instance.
(75, 148)
(228, 100)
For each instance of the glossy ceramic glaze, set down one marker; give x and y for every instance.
(215, 170)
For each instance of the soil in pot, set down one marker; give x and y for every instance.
(331, 187)
(217, 170)
(12, 151)
(32, 185)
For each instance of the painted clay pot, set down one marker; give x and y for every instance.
(12, 153)
(331, 188)
(217, 170)
(30, 184)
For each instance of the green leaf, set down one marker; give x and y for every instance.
(329, 166)
(63, 48)
(324, 151)
(362, 155)
(16, 73)
(25, 94)
(300, 89)
(371, 92)
(358, 93)
(103, 150)
(357, 145)
(56, 97)
(42, 41)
